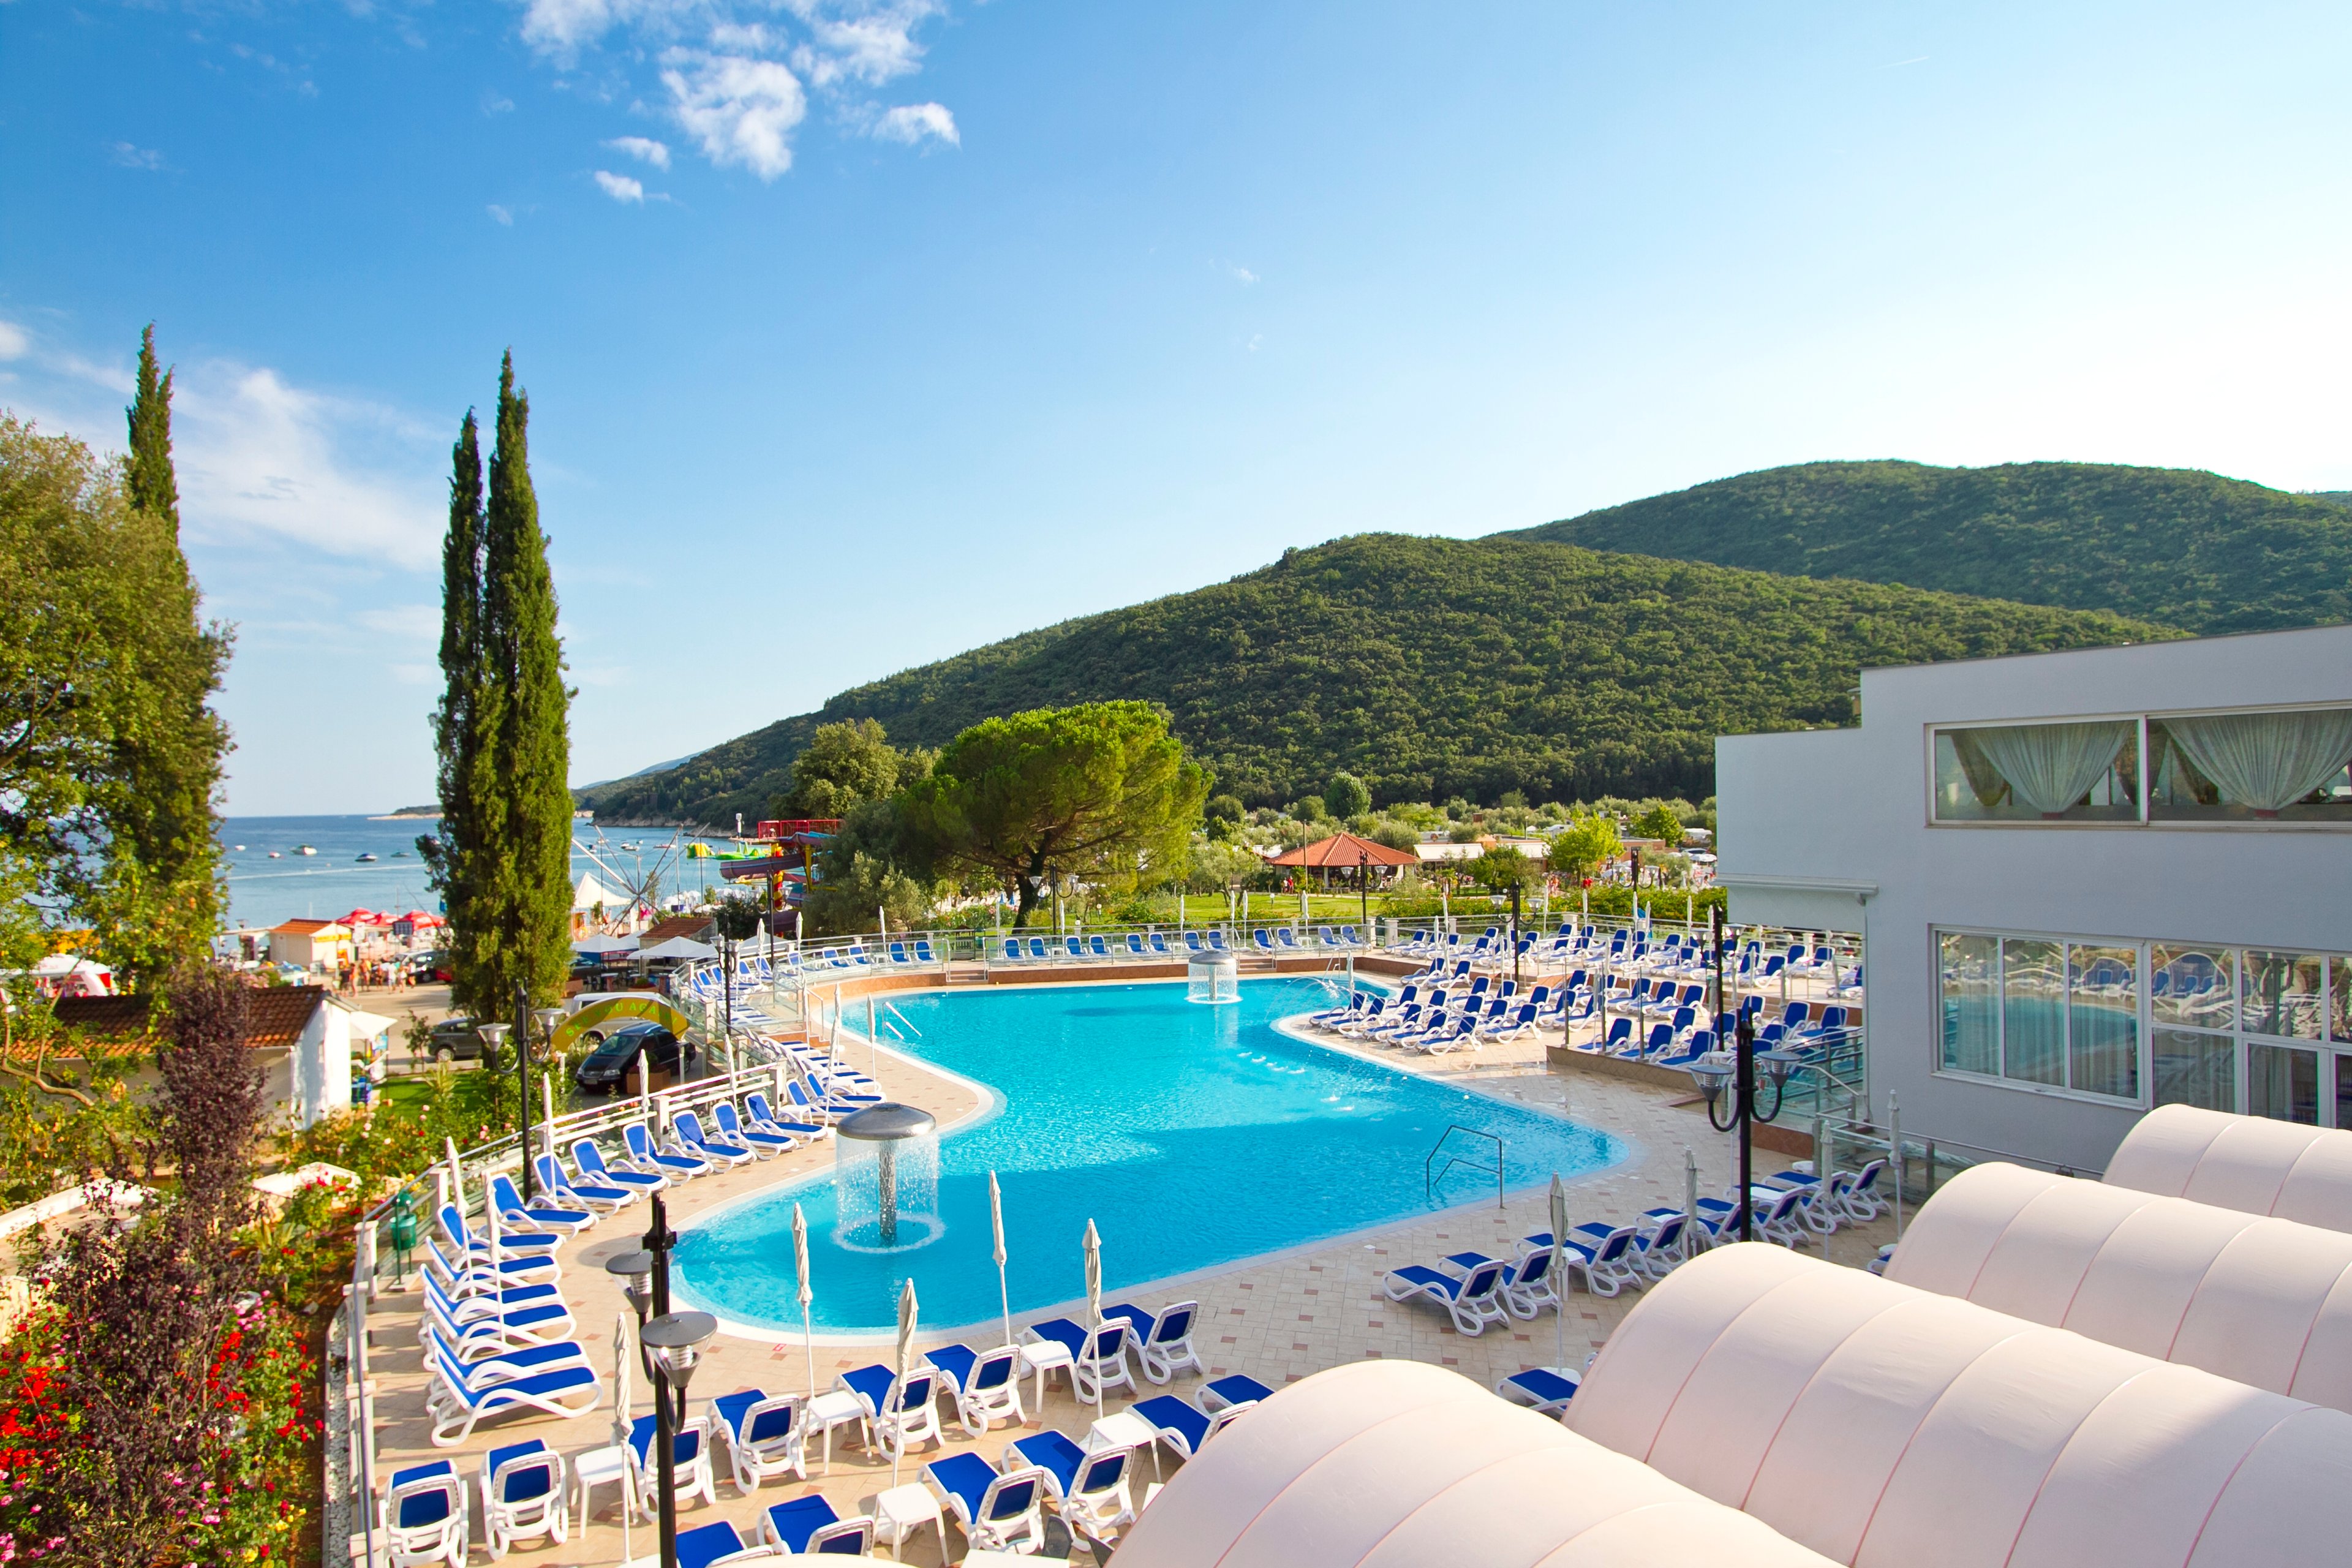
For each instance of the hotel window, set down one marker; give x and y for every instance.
(2290, 766)
(2259, 1030)
(2039, 1011)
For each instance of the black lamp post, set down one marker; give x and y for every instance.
(668, 1347)
(1713, 1073)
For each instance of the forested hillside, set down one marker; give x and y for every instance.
(1429, 668)
(2179, 546)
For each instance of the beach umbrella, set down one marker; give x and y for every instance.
(801, 1262)
(996, 1225)
(906, 1344)
(456, 1174)
(1094, 1295)
(1559, 1241)
(621, 1415)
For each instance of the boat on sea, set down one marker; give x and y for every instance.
(238, 847)
(305, 849)
(366, 857)
(274, 855)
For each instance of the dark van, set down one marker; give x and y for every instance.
(607, 1068)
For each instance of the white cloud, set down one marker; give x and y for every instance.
(738, 72)
(911, 123)
(501, 213)
(742, 110)
(1242, 275)
(644, 149)
(132, 157)
(13, 341)
(260, 459)
(620, 187)
(496, 104)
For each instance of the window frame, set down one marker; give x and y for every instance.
(2139, 718)
(2334, 994)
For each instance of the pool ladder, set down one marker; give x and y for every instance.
(1432, 1173)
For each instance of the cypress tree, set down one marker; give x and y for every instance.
(148, 475)
(527, 864)
(463, 723)
(156, 897)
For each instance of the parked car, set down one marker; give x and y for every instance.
(428, 968)
(606, 1067)
(456, 1039)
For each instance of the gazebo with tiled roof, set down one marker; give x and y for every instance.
(1346, 852)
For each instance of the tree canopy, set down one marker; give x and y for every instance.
(1101, 791)
(109, 753)
(846, 765)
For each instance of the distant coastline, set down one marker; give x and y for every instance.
(410, 814)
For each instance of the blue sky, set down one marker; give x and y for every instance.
(858, 334)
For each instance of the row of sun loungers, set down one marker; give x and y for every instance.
(761, 1437)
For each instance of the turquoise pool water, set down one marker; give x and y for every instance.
(1192, 1135)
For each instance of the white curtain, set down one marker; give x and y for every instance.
(2266, 761)
(2051, 766)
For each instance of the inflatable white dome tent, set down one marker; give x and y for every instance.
(1396, 1465)
(2249, 1163)
(1888, 1427)
(2264, 1302)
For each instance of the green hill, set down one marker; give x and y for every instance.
(2178, 546)
(1429, 667)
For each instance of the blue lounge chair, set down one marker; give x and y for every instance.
(1163, 1342)
(689, 1463)
(995, 1510)
(1236, 1388)
(688, 1138)
(1546, 1390)
(1073, 948)
(487, 1320)
(522, 1494)
(571, 1389)
(1184, 1427)
(1098, 948)
(1012, 950)
(1217, 942)
(1473, 1301)
(987, 1387)
(761, 1433)
(1286, 939)
(1263, 939)
(1098, 1360)
(898, 1414)
(1605, 1254)
(423, 1515)
(707, 1544)
(1192, 942)
(809, 1526)
(645, 1157)
(584, 1192)
(1088, 1489)
(1159, 946)
(547, 1217)
(766, 1120)
(759, 1140)
(1135, 947)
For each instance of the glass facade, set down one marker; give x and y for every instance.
(2151, 1022)
(2248, 767)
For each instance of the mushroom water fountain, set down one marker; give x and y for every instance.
(886, 1178)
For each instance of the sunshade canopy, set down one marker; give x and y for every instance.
(2250, 1163)
(680, 947)
(1344, 850)
(2265, 1301)
(1392, 1464)
(1881, 1425)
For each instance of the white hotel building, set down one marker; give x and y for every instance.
(2051, 948)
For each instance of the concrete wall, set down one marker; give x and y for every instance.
(1816, 826)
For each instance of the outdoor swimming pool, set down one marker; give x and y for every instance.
(1192, 1135)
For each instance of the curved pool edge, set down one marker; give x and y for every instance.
(992, 1104)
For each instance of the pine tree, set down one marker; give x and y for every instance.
(463, 724)
(148, 475)
(527, 862)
